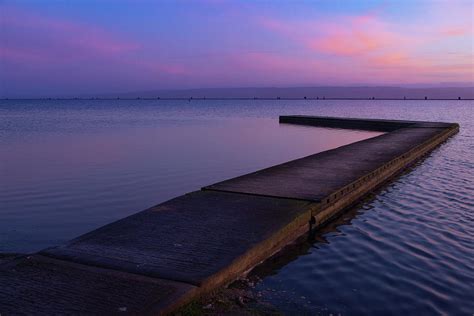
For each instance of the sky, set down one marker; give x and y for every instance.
(76, 47)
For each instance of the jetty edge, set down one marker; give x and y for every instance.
(156, 260)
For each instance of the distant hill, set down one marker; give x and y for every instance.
(356, 92)
(308, 92)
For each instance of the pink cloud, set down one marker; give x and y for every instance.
(402, 68)
(344, 36)
(376, 49)
(456, 31)
(31, 37)
(360, 35)
(389, 59)
(346, 44)
(77, 56)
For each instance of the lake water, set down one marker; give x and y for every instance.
(70, 166)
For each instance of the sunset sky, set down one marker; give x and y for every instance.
(90, 46)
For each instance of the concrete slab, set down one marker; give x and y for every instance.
(189, 238)
(314, 177)
(42, 286)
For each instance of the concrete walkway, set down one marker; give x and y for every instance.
(158, 259)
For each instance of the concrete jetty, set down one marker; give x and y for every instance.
(159, 259)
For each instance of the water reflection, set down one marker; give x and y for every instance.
(312, 240)
(60, 182)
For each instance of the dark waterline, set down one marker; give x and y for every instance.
(409, 250)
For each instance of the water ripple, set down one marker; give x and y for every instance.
(410, 250)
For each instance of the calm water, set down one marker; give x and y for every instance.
(68, 167)
(71, 166)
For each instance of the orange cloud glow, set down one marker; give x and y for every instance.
(377, 48)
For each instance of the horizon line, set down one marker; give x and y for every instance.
(239, 98)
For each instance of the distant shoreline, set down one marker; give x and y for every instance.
(236, 98)
(268, 93)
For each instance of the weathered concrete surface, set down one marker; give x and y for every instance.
(42, 286)
(190, 238)
(158, 259)
(315, 177)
